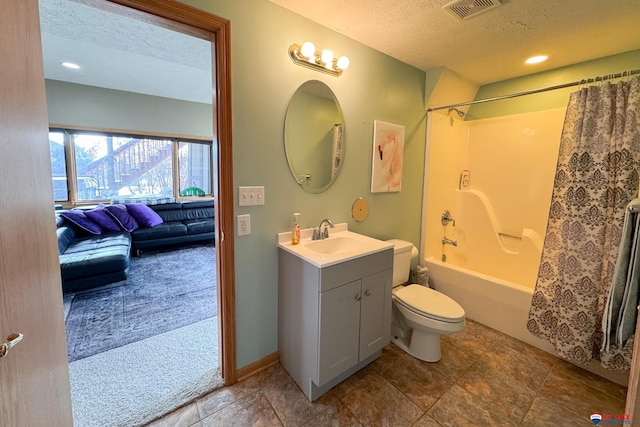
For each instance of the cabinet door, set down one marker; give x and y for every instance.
(375, 316)
(339, 330)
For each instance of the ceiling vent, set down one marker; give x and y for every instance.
(467, 9)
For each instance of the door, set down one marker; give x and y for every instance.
(375, 317)
(34, 375)
(339, 330)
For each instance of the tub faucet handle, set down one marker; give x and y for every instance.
(447, 218)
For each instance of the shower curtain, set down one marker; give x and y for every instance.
(596, 177)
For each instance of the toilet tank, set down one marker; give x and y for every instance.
(402, 252)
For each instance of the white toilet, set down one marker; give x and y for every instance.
(420, 314)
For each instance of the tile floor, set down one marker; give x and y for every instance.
(484, 378)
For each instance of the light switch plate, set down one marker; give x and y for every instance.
(244, 224)
(251, 196)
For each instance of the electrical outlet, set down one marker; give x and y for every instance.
(244, 225)
(250, 196)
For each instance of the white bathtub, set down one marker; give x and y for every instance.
(499, 304)
(494, 302)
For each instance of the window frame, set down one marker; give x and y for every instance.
(70, 160)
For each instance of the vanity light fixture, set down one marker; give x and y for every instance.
(307, 56)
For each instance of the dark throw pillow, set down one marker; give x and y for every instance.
(143, 214)
(100, 216)
(79, 220)
(122, 217)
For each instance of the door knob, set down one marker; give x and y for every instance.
(367, 293)
(358, 297)
(12, 340)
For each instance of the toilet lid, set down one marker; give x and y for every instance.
(430, 303)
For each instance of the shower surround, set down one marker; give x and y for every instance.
(500, 221)
(502, 218)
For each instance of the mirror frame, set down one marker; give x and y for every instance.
(297, 175)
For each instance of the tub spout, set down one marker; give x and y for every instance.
(446, 241)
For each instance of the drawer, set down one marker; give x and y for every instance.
(348, 271)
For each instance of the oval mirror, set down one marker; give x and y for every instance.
(314, 136)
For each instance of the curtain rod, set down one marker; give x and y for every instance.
(545, 89)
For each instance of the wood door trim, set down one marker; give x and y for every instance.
(218, 30)
(257, 366)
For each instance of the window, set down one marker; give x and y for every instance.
(106, 165)
(58, 166)
(194, 164)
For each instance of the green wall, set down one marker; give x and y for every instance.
(374, 87)
(552, 99)
(87, 106)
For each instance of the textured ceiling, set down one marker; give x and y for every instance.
(121, 53)
(488, 47)
(118, 52)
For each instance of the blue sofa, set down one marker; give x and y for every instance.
(88, 261)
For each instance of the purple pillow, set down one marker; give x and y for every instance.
(121, 216)
(143, 214)
(102, 218)
(79, 220)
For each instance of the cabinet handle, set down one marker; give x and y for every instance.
(358, 297)
(367, 293)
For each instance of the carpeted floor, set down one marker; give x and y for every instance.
(136, 383)
(145, 346)
(164, 291)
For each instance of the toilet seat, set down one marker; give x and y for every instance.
(429, 303)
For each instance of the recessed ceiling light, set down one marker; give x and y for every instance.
(536, 59)
(70, 65)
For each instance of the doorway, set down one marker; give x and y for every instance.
(196, 23)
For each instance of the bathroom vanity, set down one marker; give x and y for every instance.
(334, 313)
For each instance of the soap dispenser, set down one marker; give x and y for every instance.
(295, 229)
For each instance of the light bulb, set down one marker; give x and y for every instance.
(307, 50)
(327, 56)
(343, 63)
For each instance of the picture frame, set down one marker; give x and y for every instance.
(387, 157)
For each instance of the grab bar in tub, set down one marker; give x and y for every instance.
(513, 236)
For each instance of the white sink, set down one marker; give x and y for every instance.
(335, 245)
(341, 245)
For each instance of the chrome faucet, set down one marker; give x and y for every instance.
(446, 241)
(318, 233)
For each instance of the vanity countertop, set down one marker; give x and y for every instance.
(341, 245)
